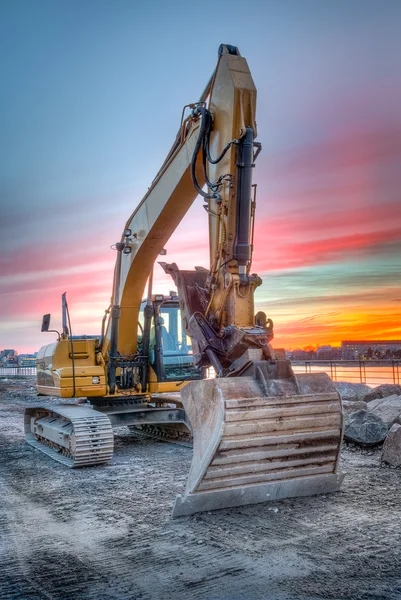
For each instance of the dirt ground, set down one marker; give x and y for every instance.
(105, 532)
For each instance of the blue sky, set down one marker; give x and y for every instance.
(91, 102)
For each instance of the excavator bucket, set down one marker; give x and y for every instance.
(257, 439)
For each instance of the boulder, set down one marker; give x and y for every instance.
(352, 391)
(388, 409)
(350, 406)
(382, 391)
(365, 428)
(391, 452)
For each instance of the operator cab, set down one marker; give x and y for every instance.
(170, 349)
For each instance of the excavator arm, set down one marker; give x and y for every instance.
(218, 302)
(215, 146)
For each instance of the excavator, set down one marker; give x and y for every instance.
(259, 431)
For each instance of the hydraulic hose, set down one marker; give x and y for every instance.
(198, 146)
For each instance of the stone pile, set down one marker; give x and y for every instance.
(373, 416)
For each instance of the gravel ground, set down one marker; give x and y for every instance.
(105, 532)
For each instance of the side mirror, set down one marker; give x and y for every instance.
(45, 323)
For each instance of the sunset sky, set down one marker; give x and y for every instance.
(92, 93)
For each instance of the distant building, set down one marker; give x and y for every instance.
(6, 353)
(27, 360)
(303, 354)
(369, 349)
(9, 357)
(328, 353)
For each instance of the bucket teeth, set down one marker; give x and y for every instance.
(250, 448)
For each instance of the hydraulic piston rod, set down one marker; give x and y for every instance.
(242, 248)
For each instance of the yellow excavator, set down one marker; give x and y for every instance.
(259, 431)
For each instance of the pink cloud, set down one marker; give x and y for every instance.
(42, 258)
(299, 239)
(366, 150)
(331, 218)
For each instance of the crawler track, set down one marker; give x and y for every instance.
(73, 435)
(166, 433)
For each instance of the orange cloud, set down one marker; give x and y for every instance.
(285, 251)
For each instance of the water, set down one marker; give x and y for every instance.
(373, 374)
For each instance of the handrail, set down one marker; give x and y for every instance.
(372, 372)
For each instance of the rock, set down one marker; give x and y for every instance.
(388, 409)
(382, 391)
(391, 452)
(365, 428)
(350, 406)
(352, 391)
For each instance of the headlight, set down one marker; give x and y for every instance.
(95, 379)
